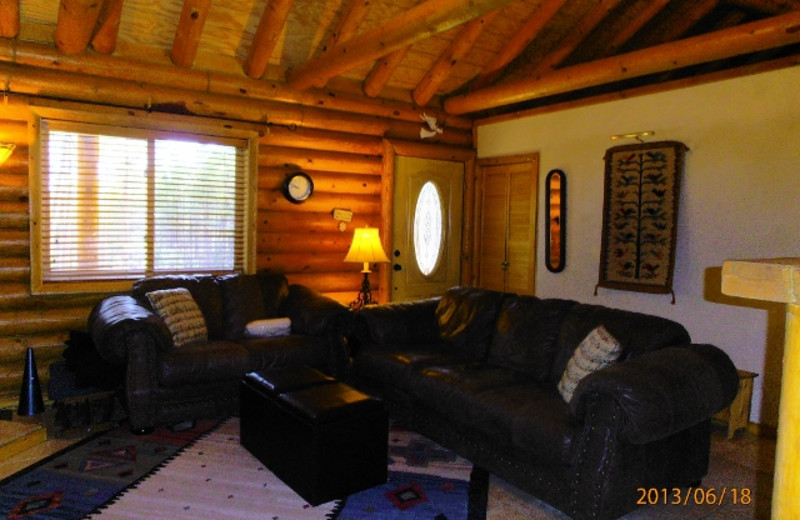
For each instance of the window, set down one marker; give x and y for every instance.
(428, 228)
(116, 204)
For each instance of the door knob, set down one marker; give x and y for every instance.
(397, 267)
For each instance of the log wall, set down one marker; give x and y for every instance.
(345, 158)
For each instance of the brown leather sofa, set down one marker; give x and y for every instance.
(477, 371)
(165, 385)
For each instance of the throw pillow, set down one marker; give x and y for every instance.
(268, 328)
(597, 350)
(181, 315)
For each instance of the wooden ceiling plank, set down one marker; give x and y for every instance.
(346, 27)
(459, 47)
(679, 23)
(577, 35)
(382, 70)
(266, 37)
(517, 44)
(189, 30)
(765, 34)
(76, 21)
(9, 18)
(420, 22)
(105, 37)
(653, 8)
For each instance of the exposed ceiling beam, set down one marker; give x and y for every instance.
(346, 27)
(423, 21)
(105, 37)
(678, 23)
(582, 29)
(518, 43)
(458, 48)
(765, 34)
(9, 18)
(266, 37)
(382, 70)
(76, 21)
(190, 28)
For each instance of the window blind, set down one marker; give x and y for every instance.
(121, 203)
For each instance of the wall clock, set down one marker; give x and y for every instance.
(298, 187)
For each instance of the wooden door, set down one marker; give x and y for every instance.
(426, 257)
(506, 247)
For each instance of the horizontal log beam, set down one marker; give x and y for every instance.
(322, 140)
(318, 202)
(318, 160)
(420, 22)
(118, 68)
(319, 222)
(752, 37)
(341, 183)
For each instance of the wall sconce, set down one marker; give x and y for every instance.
(366, 248)
(6, 149)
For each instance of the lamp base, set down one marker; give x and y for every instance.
(364, 295)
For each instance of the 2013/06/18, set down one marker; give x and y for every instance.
(696, 496)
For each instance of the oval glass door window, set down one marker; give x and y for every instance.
(428, 228)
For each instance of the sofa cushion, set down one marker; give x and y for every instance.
(637, 333)
(250, 297)
(599, 349)
(466, 316)
(294, 350)
(181, 315)
(395, 366)
(204, 290)
(203, 362)
(526, 334)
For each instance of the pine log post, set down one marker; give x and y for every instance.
(778, 280)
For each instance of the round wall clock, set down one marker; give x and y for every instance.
(298, 187)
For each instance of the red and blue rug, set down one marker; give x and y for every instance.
(205, 473)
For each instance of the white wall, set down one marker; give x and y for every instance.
(739, 199)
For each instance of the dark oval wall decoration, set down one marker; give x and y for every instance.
(555, 231)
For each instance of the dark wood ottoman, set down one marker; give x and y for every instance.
(323, 438)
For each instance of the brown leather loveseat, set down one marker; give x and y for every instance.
(484, 373)
(252, 322)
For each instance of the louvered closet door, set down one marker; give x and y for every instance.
(507, 248)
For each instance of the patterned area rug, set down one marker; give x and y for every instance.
(74, 482)
(214, 477)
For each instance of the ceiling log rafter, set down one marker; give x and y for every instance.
(190, 28)
(382, 49)
(752, 37)
(423, 21)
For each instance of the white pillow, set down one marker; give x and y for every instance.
(180, 313)
(597, 350)
(268, 328)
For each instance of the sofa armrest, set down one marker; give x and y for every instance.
(404, 323)
(311, 312)
(663, 392)
(115, 318)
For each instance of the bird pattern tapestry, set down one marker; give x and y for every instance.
(640, 216)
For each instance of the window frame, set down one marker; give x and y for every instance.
(133, 121)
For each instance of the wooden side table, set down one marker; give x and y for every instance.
(737, 415)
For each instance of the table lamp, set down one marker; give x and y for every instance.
(366, 248)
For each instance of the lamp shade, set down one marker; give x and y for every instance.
(6, 149)
(366, 247)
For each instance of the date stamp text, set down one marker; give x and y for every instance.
(694, 496)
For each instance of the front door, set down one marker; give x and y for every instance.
(427, 227)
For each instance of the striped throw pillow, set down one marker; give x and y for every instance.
(597, 350)
(181, 315)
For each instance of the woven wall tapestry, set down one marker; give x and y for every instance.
(640, 216)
